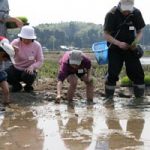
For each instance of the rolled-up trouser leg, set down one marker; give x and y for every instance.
(109, 91)
(139, 90)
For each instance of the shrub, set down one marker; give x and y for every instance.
(48, 70)
(125, 81)
(11, 25)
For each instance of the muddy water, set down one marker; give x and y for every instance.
(122, 125)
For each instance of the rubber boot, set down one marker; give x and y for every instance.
(138, 92)
(108, 100)
(109, 93)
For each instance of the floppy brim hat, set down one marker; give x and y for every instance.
(75, 57)
(8, 49)
(127, 5)
(27, 32)
(24, 36)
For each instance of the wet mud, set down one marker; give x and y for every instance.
(122, 124)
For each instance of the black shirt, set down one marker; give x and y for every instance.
(127, 26)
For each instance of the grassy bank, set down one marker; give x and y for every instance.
(51, 66)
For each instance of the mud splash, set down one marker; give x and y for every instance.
(121, 125)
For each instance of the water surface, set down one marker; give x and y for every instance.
(123, 125)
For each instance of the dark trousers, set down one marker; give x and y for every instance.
(15, 76)
(133, 66)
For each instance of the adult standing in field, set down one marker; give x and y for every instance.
(4, 18)
(73, 65)
(28, 59)
(123, 31)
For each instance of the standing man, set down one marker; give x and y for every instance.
(123, 30)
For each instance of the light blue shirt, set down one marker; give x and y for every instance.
(4, 14)
(4, 6)
(4, 9)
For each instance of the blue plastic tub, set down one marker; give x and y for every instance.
(100, 50)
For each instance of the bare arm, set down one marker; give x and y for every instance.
(137, 39)
(114, 41)
(139, 35)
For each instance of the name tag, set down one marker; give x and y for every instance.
(131, 28)
(31, 58)
(80, 71)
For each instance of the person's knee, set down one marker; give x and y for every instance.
(73, 80)
(89, 82)
(28, 78)
(6, 91)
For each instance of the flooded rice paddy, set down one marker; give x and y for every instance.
(122, 125)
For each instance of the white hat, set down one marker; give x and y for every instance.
(4, 44)
(126, 5)
(75, 57)
(27, 32)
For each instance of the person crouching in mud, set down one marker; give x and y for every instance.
(28, 57)
(6, 52)
(73, 65)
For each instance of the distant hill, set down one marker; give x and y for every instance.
(72, 34)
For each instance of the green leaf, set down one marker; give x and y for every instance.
(11, 25)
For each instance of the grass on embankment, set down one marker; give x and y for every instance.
(51, 66)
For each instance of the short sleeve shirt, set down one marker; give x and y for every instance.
(66, 69)
(127, 26)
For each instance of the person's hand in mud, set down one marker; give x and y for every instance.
(58, 98)
(29, 70)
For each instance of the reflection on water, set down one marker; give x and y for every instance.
(48, 123)
(18, 131)
(124, 125)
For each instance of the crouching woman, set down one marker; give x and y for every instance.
(28, 58)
